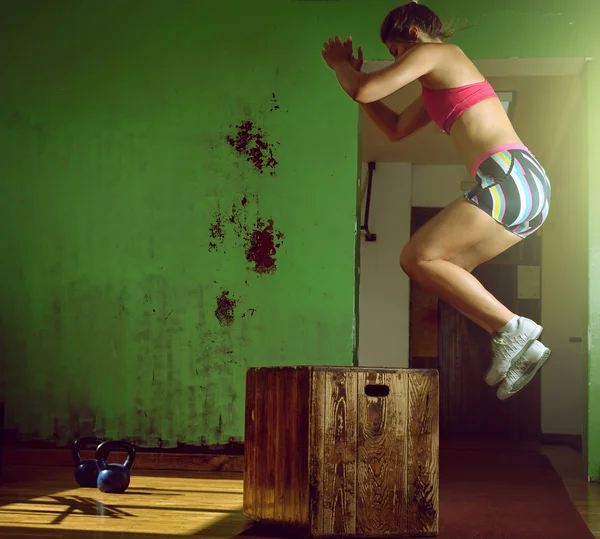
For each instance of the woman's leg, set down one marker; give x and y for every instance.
(514, 188)
(441, 255)
(443, 252)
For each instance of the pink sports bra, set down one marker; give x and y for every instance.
(446, 106)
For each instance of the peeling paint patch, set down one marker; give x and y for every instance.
(216, 233)
(274, 104)
(225, 311)
(237, 218)
(249, 142)
(261, 246)
(260, 240)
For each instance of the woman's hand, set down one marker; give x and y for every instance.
(340, 57)
(356, 63)
(336, 53)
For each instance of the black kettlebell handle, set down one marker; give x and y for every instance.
(84, 440)
(105, 448)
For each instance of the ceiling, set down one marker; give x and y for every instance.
(542, 90)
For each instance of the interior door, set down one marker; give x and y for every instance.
(442, 338)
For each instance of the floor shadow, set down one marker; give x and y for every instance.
(237, 525)
(262, 531)
(93, 507)
(152, 490)
(14, 475)
(234, 525)
(16, 532)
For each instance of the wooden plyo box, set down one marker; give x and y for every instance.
(343, 451)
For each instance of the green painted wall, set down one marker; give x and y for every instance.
(114, 118)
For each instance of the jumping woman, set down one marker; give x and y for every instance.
(510, 201)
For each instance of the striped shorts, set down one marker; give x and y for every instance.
(512, 187)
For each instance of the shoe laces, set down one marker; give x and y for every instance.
(516, 371)
(507, 346)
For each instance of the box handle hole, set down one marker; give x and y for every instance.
(373, 390)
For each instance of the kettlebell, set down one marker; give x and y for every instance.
(86, 470)
(114, 478)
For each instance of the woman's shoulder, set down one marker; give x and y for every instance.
(452, 66)
(443, 49)
(442, 55)
(435, 53)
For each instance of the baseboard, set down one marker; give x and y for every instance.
(144, 460)
(148, 460)
(574, 441)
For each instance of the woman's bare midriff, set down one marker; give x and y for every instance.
(480, 128)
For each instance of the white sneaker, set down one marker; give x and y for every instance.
(523, 370)
(509, 347)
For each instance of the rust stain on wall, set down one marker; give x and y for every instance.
(238, 218)
(261, 246)
(274, 104)
(225, 311)
(260, 240)
(216, 233)
(249, 142)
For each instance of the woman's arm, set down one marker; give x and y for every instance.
(398, 126)
(370, 87)
(383, 117)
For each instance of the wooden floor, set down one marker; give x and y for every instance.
(585, 496)
(40, 502)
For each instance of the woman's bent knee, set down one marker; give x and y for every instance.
(412, 262)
